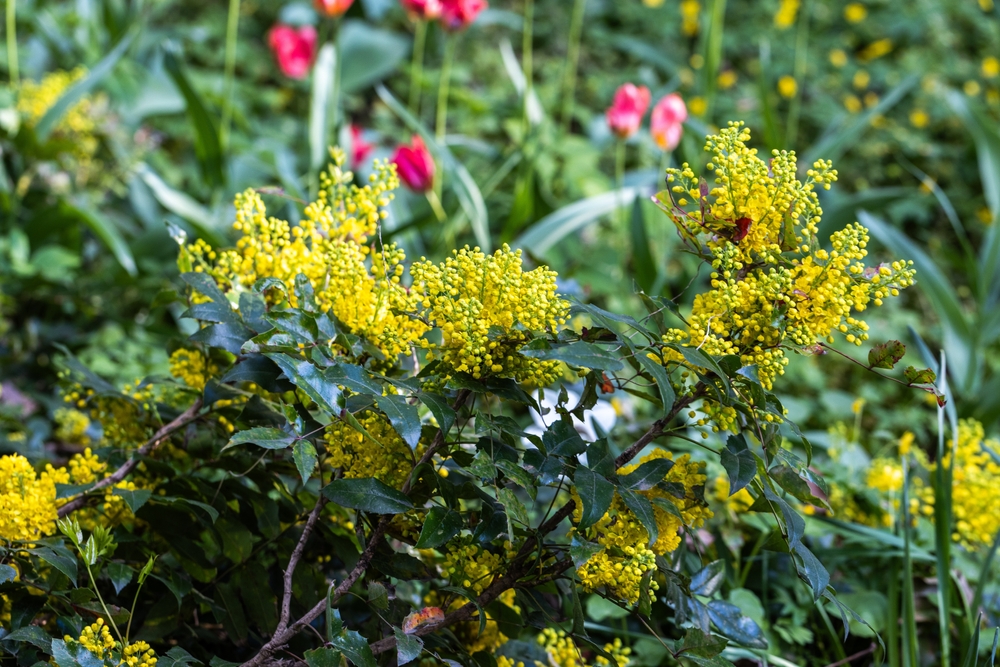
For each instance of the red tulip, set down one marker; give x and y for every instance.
(422, 9)
(293, 48)
(458, 14)
(666, 122)
(359, 147)
(415, 165)
(333, 7)
(626, 112)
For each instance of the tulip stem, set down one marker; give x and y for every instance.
(526, 59)
(435, 203)
(572, 61)
(417, 68)
(15, 76)
(232, 32)
(442, 103)
(445, 81)
(619, 178)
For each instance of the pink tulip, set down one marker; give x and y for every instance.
(333, 7)
(293, 49)
(415, 165)
(458, 14)
(626, 112)
(422, 9)
(666, 122)
(359, 147)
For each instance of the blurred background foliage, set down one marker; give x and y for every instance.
(184, 105)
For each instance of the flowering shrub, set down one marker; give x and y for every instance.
(342, 440)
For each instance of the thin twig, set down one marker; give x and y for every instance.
(286, 598)
(852, 658)
(159, 437)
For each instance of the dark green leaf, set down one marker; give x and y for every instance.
(439, 407)
(739, 462)
(355, 378)
(708, 579)
(811, 570)
(378, 596)
(596, 494)
(440, 525)
(561, 439)
(106, 230)
(514, 507)
(31, 634)
(600, 459)
(304, 454)
(403, 417)
(700, 644)
(647, 475)
(581, 551)
(367, 495)
(919, 376)
(322, 657)
(579, 353)
(120, 575)
(795, 484)
(516, 473)
(408, 647)
(886, 355)
(643, 511)
(732, 623)
(225, 336)
(73, 655)
(659, 373)
(643, 266)
(268, 438)
(308, 378)
(58, 557)
(355, 648)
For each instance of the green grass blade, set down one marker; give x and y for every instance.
(75, 92)
(207, 145)
(910, 645)
(181, 204)
(107, 231)
(984, 575)
(319, 106)
(942, 528)
(837, 141)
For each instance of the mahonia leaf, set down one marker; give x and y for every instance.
(440, 525)
(408, 647)
(739, 462)
(886, 355)
(919, 376)
(596, 494)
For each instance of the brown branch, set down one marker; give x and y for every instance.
(286, 598)
(438, 442)
(852, 658)
(158, 438)
(283, 636)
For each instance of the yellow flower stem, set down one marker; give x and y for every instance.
(801, 60)
(229, 79)
(15, 77)
(417, 66)
(111, 621)
(572, 61)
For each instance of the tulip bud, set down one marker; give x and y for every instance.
(414, 165)
(293, 49)
(626, 112)
(333, 7)
(359, 147)
(666, 121)
(459, 14)
(422, 9)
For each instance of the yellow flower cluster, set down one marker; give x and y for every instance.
(772, 285)
(389, 461)
(738, 502)
(485, 306)
(361, 289)
(122, 416)
(885, 476)
(976, 477)
(71, 426)
(28, 499)
(191, 367)
(470, 566)
(76, 129)
(97, 639)
(468, 632)
(785, 16)
(626, 557)
(563, 652)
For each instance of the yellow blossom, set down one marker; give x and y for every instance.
(787, 86)
(861, 79)
(389, 461)
(991, 67)
(855, 12)
(697, 106)
(785, 16)
(690, 9)
(191, 367)
(971, 88)
(919, 118)
(852, 104)
(727, 79)
(875, 50)
(563, 652)
(838, 58)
